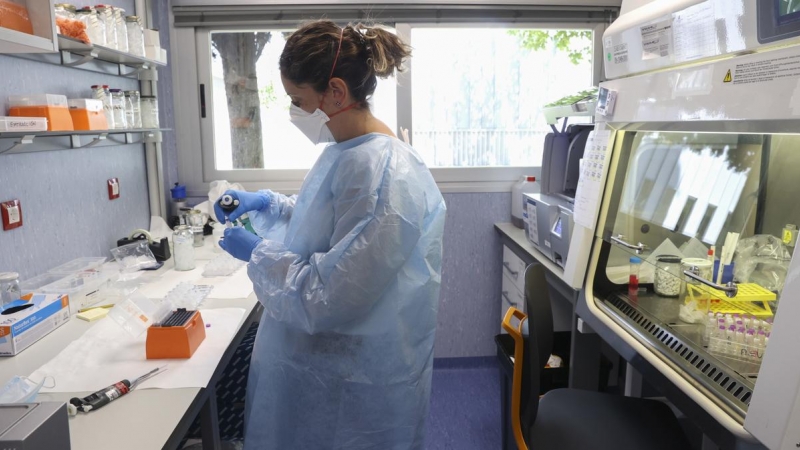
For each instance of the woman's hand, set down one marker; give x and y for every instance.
(241, 202)
(239, 242)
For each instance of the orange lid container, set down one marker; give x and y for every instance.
(176, 342)
(15, 17)
(87, 114)
(53, 107)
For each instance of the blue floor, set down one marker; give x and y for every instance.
(465, 408)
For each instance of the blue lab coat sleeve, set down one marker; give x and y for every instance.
(271, 223)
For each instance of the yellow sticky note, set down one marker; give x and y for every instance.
(93, 314)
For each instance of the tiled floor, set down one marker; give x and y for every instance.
(465, 409)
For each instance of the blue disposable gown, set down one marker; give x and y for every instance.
(349, 275)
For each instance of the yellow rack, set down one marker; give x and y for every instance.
(751, 299)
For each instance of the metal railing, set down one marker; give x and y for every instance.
(474, 148)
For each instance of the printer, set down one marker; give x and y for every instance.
(34, 426)
(548, 215)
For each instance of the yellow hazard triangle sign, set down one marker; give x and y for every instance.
(728, 77)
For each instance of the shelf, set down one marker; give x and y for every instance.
(12, 41)
(580, 109)
(43, 141)
(104, 54)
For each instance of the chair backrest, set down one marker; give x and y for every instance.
(539, 342)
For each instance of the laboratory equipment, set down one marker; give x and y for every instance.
(136, 313)
(65, 10)
(674, 124)
(183, 247)
(197, 221)
(87, 114)
(177, 336)
(790, 235)
(668, 275)
(149, 112)
(222, 266)
(633, 276)
(9, 287)
(525, 185)
(122, 30)
(107, 395)
(50, 106)
(135, 36)
(130, 115)
(42, 425)
(188, 295)
(118, 108)
(102, 93)
(95, 28)
(105, 14)
(177, 205)
(217, 231)
(549, 216)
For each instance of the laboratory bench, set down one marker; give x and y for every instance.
(144, 418)
(585, 348)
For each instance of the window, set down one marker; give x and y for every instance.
(251, 127)
(477, 93)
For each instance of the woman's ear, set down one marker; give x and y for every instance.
(340, 92)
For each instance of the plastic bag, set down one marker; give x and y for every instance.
(133, 257)
(762, 259)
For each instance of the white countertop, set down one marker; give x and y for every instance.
(143, 419)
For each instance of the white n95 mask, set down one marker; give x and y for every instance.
(313, 125)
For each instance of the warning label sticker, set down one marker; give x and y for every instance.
(619, 53)
(657, 39)
(766, 70)
(728, 78)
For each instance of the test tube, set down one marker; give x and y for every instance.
(749, 340)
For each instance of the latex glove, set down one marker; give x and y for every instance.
(248, 201)
(239, 242)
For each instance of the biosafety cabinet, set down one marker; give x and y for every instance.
(704, 164)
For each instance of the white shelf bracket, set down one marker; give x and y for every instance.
(26, 140)
(100, 138)
(66, 58)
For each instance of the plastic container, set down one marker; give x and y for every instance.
(704, 266)
(135, 35)
(80, 287)
(15, 17)
(149, 106)
(525, 185)
(137, 313)
(633, 277)
(667, 279)
(106, 15)
(118, 108)
(65, 10)
(102, 93)
(12, 124)
(87, 114)
(9, 287)
(50, 106)
(133, 113)
(79, 265)
(122, 30)
(95, 27)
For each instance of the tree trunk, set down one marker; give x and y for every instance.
(239, 53)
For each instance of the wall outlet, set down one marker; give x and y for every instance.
(113, 188)
(11, 212)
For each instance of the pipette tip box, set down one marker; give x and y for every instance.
(177, 336)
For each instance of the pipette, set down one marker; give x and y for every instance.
(107, 395)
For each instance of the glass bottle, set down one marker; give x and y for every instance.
(118, 106)
(106, 15)
(65, 10)
(135, 116)
(95, 27)
(102, 93)
(135, 35)
(183, 248)
(149, 109)
(9, 287)
(122, 30)
(667, 280)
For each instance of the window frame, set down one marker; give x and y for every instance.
(198, 131)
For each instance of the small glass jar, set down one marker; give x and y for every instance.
(149, 108)
(122, 30)
(135, 35)
(691, 288)
(667, 280)
(135, 117)
(9, 287)
(65, 10)
(118, 106)
(102, 93)
(197, 220)
(95, 27)
(183, 248)
(106, 15)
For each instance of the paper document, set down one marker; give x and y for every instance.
(106, 354)
(592, 178)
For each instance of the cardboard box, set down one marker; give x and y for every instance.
(23, 328)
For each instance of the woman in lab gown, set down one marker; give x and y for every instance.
(348, 271)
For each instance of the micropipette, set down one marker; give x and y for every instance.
(106, 395)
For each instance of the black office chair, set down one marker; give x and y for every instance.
(572, 419)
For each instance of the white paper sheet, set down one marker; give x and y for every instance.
(237, 285)
(106, 354)
(592, 178)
